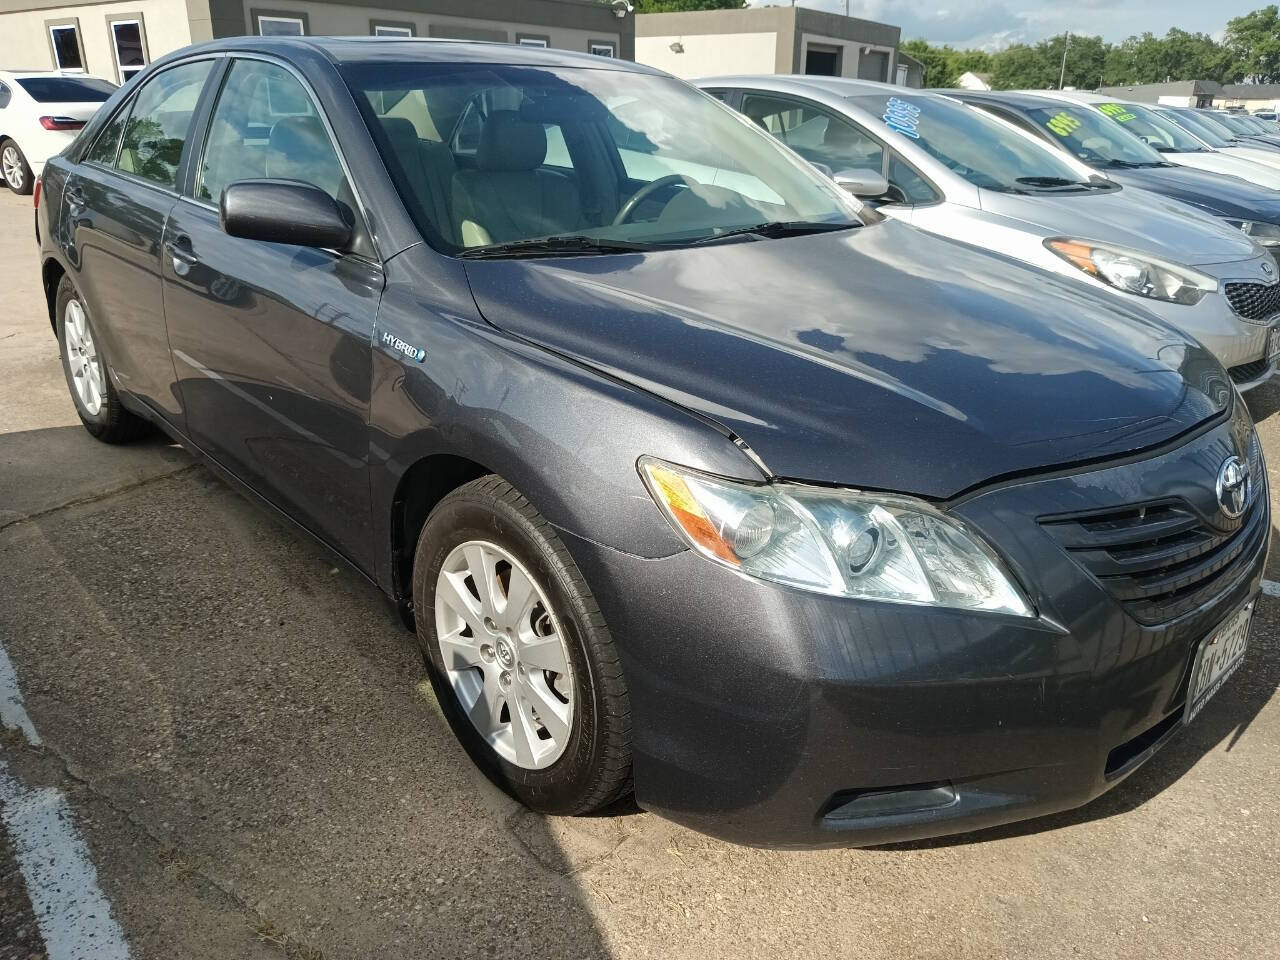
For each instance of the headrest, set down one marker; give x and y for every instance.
(401, 132)
(297, 133)
(509, 142)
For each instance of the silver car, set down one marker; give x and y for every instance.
(946, 168)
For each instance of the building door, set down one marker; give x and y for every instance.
(873, 65)
(822, 61)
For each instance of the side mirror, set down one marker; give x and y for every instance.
(823, 169)
(284, 211)
(863, 183)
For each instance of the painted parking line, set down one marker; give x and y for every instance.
(71, 911)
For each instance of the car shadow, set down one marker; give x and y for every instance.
(1263, 401)
(254, 702)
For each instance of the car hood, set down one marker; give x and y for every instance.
(1216, 194)
(879, 357)
(1129, 217)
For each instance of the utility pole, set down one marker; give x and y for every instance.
(1062, 74)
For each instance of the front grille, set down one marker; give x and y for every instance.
(1254, 301)
(1160, 559)
(1248, 372)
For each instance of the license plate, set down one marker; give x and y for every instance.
(1219, 655)
(1273, 344)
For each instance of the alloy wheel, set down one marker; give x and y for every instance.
(82, 358)
(11, 161)
(504, 654)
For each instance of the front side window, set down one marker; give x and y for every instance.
(1151, 128)
(525, 153)
(970, 143)
(280, 26)
(130, 51)
(159, 122)
(265, 125)
(818, 135)
(67, 54)
(1093, 138)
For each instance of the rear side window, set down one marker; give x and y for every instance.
(159, 122)
(67, 89)
(265, 125)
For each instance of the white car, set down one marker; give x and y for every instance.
(958, 172)
(1178, 142)
(40, 113)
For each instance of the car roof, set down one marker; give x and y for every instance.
(1015, 98)
(366, 49)
(840, 86)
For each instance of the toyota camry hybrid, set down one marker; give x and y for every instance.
(695, 478)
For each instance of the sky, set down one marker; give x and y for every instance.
(992, 24)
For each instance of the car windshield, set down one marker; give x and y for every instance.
(67, 89)
(1090, 136)
(488, 156)
(1214, 134)
(1151, 128)
(971, 144)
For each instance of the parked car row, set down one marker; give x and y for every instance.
(1053, 183)
(811, 507)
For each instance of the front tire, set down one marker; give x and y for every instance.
(94, 395)
(17, 173)
(519, 655)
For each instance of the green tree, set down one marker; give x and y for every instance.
(673, 6)
(1254, 44)
(944, 65)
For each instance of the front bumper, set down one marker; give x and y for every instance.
(773, 717)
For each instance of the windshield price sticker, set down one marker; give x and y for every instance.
(903, 117)
(1063, 124)
(1117, 113)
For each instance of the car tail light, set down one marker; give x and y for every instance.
(61, 123)
(35, 193)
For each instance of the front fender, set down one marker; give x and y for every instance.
(566, 436)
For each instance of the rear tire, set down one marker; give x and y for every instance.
(17, 174)
(589, 766)
(92, 392)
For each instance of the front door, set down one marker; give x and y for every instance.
(273, 342)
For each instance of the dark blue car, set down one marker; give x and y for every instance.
(692, 476)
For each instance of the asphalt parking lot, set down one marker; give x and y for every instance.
(246, 743)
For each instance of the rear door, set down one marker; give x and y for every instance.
(119, 198)
(273, 342)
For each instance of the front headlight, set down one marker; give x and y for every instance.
(871, 546)
(1135, 272)
(1267, 234)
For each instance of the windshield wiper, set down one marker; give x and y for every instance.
(775, 229)
(563, 246)
(1052, 183)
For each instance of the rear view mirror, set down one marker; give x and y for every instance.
(284, 211)
(863, 183)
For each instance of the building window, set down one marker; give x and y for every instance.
(384, 29)
(129, 44)
(532, 40)
(280, 25)
(602, 48)
(67, 52)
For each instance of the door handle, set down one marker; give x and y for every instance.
(75, 202)
(179, 250)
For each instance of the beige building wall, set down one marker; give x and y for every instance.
(712, 54)
(334, 19)
(25, 44)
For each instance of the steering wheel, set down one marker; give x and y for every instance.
(648, 190)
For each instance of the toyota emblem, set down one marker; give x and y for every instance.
(1233, 487)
